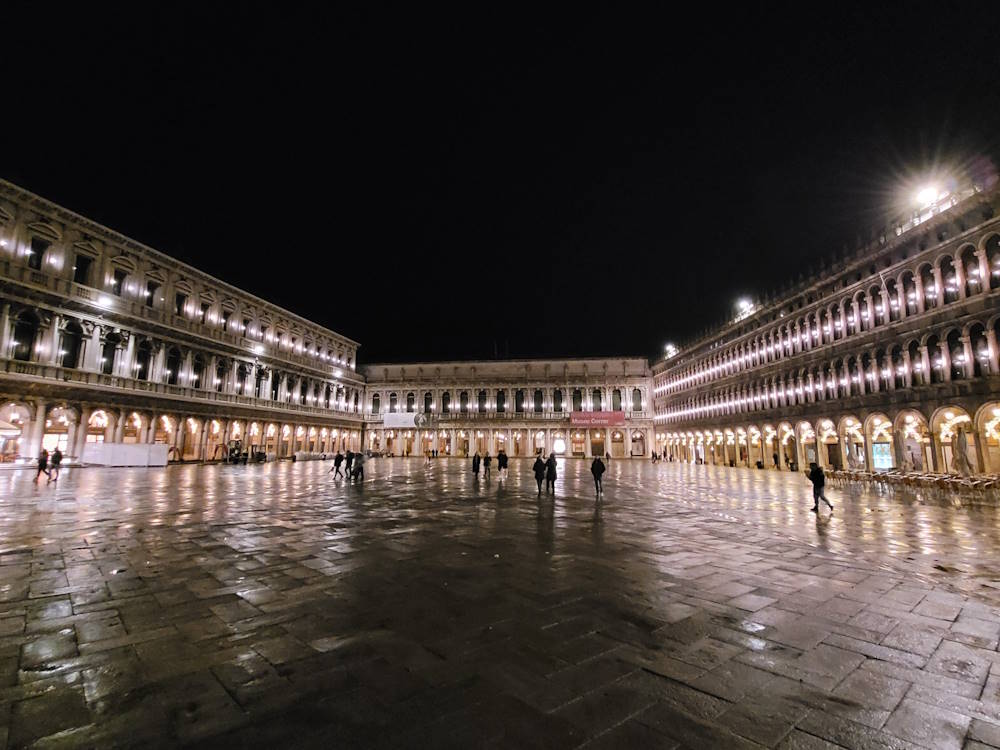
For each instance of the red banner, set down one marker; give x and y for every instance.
(597, 418)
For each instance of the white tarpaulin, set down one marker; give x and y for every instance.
(399, 419)
(125, 454)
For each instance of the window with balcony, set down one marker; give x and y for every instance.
(518, 401)
(577, 400)
(71, 345)
(539, 401)
(81, 268)
(557, 400)
(173, 366)
(118, 277)
(152, 288)
(25, 333)
(37, 252)
(501, 401)
(180, 302)
(446, 403)
(376, 404)
(481, 402)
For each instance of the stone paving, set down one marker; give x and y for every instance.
(269, 606)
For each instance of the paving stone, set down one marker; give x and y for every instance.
(927, 725)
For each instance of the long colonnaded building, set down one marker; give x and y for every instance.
(103, 339)
(887, 361)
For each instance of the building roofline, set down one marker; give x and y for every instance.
(122, 239)
(518, 360)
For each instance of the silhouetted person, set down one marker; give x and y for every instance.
(818, 480)
(502, 464)
(348, 461)
(487, 461)
(43, 464)
(55, 464)
(359, 466)
(475, 464)
(776, 464)
(539, 469)
(550, 473)
(337, 461)
(597, 469)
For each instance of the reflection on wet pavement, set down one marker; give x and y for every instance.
(694, 606)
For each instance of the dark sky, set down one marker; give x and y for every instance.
(564, 185)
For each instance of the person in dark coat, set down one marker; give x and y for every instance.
(597, 469)
(337, 461)
(348, 462)
(550, 473)
(818, 479)
(56, 462)
(487, 462)
(539, 469)
(475, 464)
(43, 464)
(502, 464)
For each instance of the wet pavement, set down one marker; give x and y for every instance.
(693, 606)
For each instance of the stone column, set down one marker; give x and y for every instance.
(918, 293)
(81, 432)
(37, 431)
(959, 266)
(945, 360)
(938, 286)
(93, 358)
(991, 344)
(925, 364)
(119, 427)
(970, 361)
(5, 330)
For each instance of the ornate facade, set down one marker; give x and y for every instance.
(105, 339)
(887, 361)
(578, 407)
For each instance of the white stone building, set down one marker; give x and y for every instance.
(572, 407)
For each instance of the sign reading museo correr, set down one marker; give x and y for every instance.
(597, 418)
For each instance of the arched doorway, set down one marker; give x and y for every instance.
(955, 438)
(852, 443)
(807, 441)
(988, 421)
(915, 441)
(13, 418)
(878, 430)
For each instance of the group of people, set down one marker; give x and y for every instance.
(353, 463)
(49, 465)
(486, 462)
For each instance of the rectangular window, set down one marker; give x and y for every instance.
(225, 318)
(204, 311)
(81, 268)
(38, 248)
(180, 301)
(119, 282)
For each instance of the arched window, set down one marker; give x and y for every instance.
(481, 402)
(107, 363)
(198, 372)
(577, 399)
(393, 401)
(143, 357)
(302, 390)
(410, 402)
(538, 398)
(72, 339)
(463, 402)
(25, 332)
(616, 400)
(376, 403)
(258, 384)
(428, 401)
(501, 401)
(173, 365)
(557, 400)
(326, 396)
(275, 385)
(241, 382)
(37, 252)
(519, 401)
(220, 375)
(597, 400)
(446, 403)
(636, 400)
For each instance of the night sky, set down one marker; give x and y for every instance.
(447, 186)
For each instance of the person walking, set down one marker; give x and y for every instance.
(550, 473)
(818, 480)
(359, 466)
(776, 464)
(487, 461)
(475, 465)
(539, 469)
(597, 469)
(337, 461)
(502, 464)
(348, 462)
(43, 464)
(55, 464)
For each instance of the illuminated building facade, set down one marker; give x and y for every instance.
(103, 339)
(572, 407)
(889, 360)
